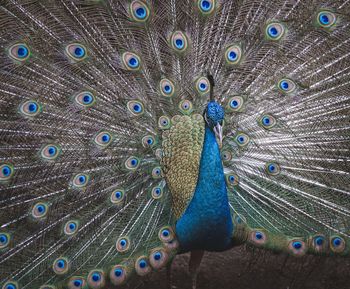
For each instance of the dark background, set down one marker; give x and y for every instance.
(244, 268)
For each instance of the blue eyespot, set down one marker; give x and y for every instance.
(10, 285)
(32, 107)
(336, 242)
(139, 11)
(179, 41)
(326, 19)
(135, 107)
(60, 266)
(76, 51)
(77, 283)
(80, 180)
(103, 139)
(19, 52)
(242, 139)
(118, 272)
(123, 244)
(273, 169)
(205, 5)
(79, 52)
(202, 87)
(232, 56)
(157, 256)
(167, 89)
(6, 172)
(319, 241)
(96, 277)
(297, 245)
(259, 235)
(4, 240)
(286, 85)
(275, 31)
(29, 108)
(71, 227)
(131, 61)
(142, 264)
(39, 210)
(87, 99)
(165, 233)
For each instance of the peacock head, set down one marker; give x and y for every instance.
(214, 118)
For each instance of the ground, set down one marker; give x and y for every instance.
(240, 268)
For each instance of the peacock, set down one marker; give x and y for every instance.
(135, 130)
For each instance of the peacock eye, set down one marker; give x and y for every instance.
(326, 19)
(6, 172)
(71, 227)
(139, 11)
(275, 31)
(142, 266)
(103, 139)
(50, 152)
(96, 279)
(166, 234)
(39, 210)
(267, 121)
(206, 7)
(258, 237)
(4, 240)
(76, 282)
(123, 244)
(158, 258)
(202, 85)
(85, 99)
(235, 103)
(242, 139)
(167, 87)
(10, 285)
(76, 51)
(80, 180)
(233, 54)
(30, 108)
(117, 196)
(337, 244)
(232, 179)
(148, 141)
(297, 247)
(118, 275)
(164, 122)
(286, 86)
(273, 169)
(60, 266)
(226, 156)
(179, 41)
(156, 173)
(131, 61)
(132, 163)
(186, 107)
(157, 193)
(19, 52)
(135, 107)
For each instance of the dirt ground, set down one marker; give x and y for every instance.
(240, 268)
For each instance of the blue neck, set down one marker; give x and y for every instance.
(206, 223)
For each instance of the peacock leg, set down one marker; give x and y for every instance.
(195, 261)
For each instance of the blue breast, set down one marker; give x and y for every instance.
(206, 223)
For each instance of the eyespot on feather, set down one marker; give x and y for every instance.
(286, 86)
(179, 41)
(158, 258)
(258, 237)
(326, 19)
(50, 152)
(80, 180)
(164, 122)
(132, 163)
(77, 282)
(96, 279)
(242, 139)
(337, 244)
(4, 240)
(235, 104)
(103, 139)
(39, 210)
(139, 11)
(71, 227)
(156, 173)
(273, 168)
(202, 85)
(275, 31)
(76, 52)
(136, 107)
(157, 193)
(6, 172)
(166, 234)
(232, 179)
(186, 107)
(117, 196)
(19, 52)
(206, 7)
(123, 244)
(85, 99)
(30, 108)
(167, 87)
(118, 274)
(267, 121)
(297, 247)
(60, 266)
(10, 285)
(233, 54)
(131, 61)
(142, 266)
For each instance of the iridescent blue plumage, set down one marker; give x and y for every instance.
(206, 224)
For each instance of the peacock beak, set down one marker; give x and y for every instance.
(218, 134)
